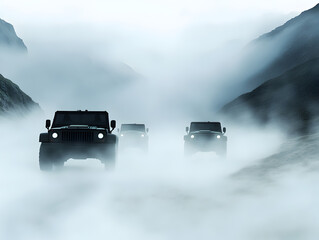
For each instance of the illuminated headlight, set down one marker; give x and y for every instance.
(100, 135)
(142, 135)
(55, 135)
(192, 136)
(218, 136)
(122, 135)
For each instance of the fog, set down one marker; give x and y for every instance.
(178, 76)
(164, 77)
(179, 73)
(161, 195)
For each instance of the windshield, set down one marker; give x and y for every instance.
(133, 127)
(98, 119)
(212, 126)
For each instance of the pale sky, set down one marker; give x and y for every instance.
(138, 32)
(158, 15)
(172, 43)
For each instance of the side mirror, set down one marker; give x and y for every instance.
(147, 130)
(47, 124)
(187, 129)
(224, 130)
(113, 125)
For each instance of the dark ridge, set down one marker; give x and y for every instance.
(9, 38)
(13, 99)
(301, 151)
(295, 42)
(291, 100)
(303, 16)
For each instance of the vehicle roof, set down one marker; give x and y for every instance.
(205, 122)
(132, 124)
(81, 118)
(80, 111)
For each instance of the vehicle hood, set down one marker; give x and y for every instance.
(205, 132)
(133, 133)
(78, 127)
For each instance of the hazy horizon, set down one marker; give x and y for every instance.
(176, 47)
(165, 64)
(160, 29)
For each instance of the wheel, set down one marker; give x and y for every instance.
(45, 158)
(222, 152)
(188, 149)
(109, 165)
(59, 164)
(145, 148)
(109, 158)
(109, 162)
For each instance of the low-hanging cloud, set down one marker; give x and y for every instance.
(158, 196)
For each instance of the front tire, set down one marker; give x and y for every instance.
(222, 152)
(45, 159)
(188, 149)
(109, 158)
(59, 164)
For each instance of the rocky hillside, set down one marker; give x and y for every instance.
(297, 152)
(285, 47)
(286, 82)
(9, 38)
(292, 99)
(13, 99)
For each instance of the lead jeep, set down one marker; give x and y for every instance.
(78, 135)
(205, 137)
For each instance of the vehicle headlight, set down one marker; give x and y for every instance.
(142, 135)
(55, 135)
(192, 136)
(122, 135)
(100, 135)
(218, 136)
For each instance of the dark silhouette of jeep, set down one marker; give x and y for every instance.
(205, 137)
(78, 135)
(133, 136)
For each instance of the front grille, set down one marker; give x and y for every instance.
(206, 136)
(76, 136)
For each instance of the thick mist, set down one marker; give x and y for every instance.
(160, 195)
(189, 71)
(165, 81)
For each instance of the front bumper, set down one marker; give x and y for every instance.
(206, 143)
(79, 150)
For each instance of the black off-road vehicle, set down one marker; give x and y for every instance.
(205, 137)
(78, 135)
(133, 136)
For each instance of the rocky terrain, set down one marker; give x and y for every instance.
(290, 100)
(296, 153)
(9, 39)
(13, 99)
(287, 88)
(285, 47)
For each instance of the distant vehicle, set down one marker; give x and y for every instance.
(133, 136)
(205, 137)
(78, 135)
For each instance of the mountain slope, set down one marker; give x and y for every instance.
(293, 154)
(13, 99)
(290, 99)
(287, 46)
(9, 38)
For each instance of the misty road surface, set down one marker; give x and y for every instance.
(161, 195)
